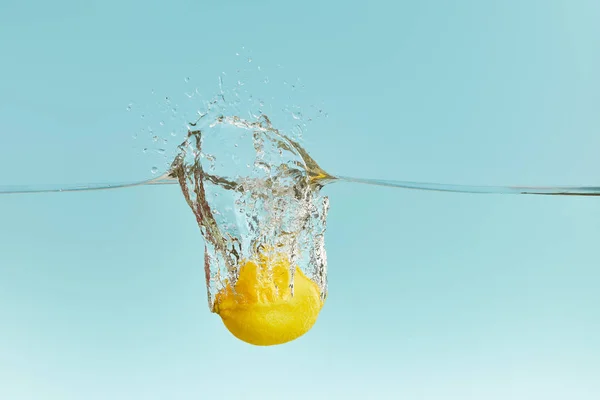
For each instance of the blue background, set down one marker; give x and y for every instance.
(431, 296)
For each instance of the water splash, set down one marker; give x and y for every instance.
(267, 198)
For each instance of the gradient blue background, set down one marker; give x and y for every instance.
(432, 296)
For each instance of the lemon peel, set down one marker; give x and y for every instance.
(261, 310)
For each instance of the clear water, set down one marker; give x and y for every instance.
(431, 295)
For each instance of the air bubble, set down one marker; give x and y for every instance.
(154, 170)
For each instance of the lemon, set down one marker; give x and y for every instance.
(261, 310)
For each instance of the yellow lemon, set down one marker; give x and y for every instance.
(261, 310)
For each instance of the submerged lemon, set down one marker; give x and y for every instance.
(261, 310)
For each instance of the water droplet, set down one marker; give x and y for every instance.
(237, 54)
(152, 92)
(162, 123)
(259, 68)
(249, 59)
(154, 170)
(173, 134)
(266, 79)
(129, 106)
(160, 151)
(145, 150)
(296, 115)
(142, 116)
(187, 79)
(155, 138)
